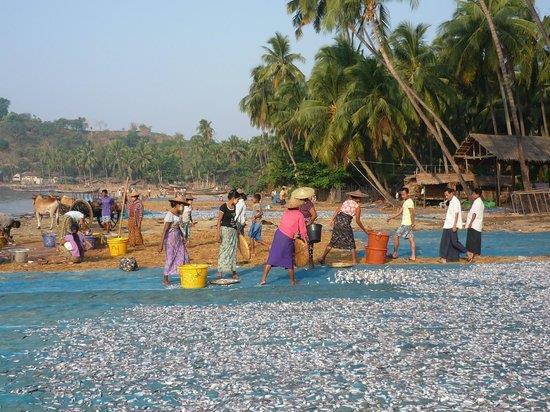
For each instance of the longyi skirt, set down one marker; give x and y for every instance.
(473, 241)
(342, 233)
(281, 253)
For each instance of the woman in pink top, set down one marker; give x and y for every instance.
(342, 232)
(281, 253)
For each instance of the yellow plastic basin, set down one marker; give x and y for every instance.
(193, 276)
(118, 246)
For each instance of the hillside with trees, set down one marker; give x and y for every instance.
(69, 148)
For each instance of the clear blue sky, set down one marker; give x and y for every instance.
(159, 62)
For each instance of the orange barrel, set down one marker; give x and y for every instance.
(377, 248)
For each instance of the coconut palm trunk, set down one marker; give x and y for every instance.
(538, 22)
(543, 115)
(414, 102)
(411, 152)
(376, 182)
(509, 94)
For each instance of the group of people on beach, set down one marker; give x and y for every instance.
(300, 214)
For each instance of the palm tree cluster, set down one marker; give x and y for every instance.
(380, 97)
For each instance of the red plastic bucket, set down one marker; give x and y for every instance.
(378, 240)
(377, 248)
(375, 256)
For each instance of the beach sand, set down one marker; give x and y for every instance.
(203, 247)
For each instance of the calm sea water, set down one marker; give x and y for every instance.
(15, 203)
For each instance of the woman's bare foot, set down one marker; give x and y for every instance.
(394, 255)
(470, 256)
(262, 282)
(442, 260)
(412, 258)
(166, 281)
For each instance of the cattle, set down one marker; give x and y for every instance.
(46, 204)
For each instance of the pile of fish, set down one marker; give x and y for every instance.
(466, 338)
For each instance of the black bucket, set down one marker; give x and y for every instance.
(314, 232)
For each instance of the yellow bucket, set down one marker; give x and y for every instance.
(118, 246)
(193, 276)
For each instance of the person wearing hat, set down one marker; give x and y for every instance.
(309, 212)
(172, 239)
(75, 244)
(281, 253)
(135, 217)
(342, 232)
(187, 218)
(228, 237)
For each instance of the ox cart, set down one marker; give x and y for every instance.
(86, 202)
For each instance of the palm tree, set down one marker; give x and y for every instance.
(205, 129)
(358, 16)
(335, 122)
(279, 63)
(507, 82)
(236, 148)
(142, 157)
(538, 22)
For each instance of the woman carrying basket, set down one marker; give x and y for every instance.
(281, 253)
(342, 232)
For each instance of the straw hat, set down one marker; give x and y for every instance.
(294, 203)
(303, 193)
(134, 193)
(356, 193)
(178, 199)
(189, 197)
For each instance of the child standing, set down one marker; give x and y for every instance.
(255, 231)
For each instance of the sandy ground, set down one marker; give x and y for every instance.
(203, 247)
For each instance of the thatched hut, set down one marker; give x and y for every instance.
(430, 186)
(499, 150)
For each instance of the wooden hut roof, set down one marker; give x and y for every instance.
(504, 147)
(438, 178)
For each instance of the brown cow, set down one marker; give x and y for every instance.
(43, 205)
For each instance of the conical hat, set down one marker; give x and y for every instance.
(303, 193)
(294, 203)
(356, 193)
(178, 199)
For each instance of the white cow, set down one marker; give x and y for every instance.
(43, 205)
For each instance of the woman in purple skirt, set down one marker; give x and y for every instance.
(173, 240)
(281, 253)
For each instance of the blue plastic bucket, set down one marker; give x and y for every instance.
(48, 239)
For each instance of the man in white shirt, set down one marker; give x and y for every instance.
(240, 211)
(450, 248)
(407, 224)
(474, 224)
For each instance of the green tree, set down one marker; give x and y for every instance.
(4, 107)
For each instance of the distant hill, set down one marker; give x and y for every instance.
(23, 136)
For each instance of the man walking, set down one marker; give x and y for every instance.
(404, 231)
(450, 248)
(474, 222)
(107, 204)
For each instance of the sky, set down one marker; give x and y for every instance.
(164, 63)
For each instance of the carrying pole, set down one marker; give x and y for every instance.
(123, 205)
